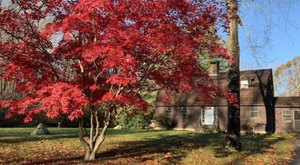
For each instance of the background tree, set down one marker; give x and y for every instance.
(260, 19)
(138, 119)
(287, 79)
(7, 92)
(99, 57)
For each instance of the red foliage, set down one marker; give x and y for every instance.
(104, 52)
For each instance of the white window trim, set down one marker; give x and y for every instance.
(291, 116)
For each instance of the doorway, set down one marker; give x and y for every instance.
(209, 116)
(297, 120)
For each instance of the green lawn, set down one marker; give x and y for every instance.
(142, 147)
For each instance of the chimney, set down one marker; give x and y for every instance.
(214, 68)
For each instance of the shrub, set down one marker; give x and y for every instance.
(164, 121)
(10, 122)
(133, 121)
(208, 129)
(247, 128)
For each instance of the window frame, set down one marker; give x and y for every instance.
(283, 116)
(183, 110)
(168, 111)
(254, 109)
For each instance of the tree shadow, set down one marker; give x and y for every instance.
(164, 144)
(169, 148)
(60, 160)
(29, 138)
(19, 137)
(174, 144)
(117, 132)
(256, 144)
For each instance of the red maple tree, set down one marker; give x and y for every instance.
(86, 56)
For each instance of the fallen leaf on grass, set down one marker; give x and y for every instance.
(168, 155)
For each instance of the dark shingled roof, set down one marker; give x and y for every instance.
(260, 90)
(292, 101)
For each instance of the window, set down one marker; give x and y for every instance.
(253, 112)
(183, 111)
(244, 84)
(286, 116)
(168, 111)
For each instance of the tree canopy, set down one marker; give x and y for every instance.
(109, 50)
(68, 58)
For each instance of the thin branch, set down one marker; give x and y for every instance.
(92, 128)
(34, 46)
(81, 135)
(97, 126)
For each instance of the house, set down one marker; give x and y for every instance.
(287, 110)
(260, 111)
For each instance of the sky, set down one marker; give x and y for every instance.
(282, 42)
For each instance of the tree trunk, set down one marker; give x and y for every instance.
(92, 143)
(90, 153)
(233, 127)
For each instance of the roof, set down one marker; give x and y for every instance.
(246, 74)
(189, 99)
(260, 91)
(292, 101)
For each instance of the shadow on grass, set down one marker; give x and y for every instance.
(30, 138)
(256, 144)
(177, 145)
(19, 132)
(117, 132)
(182, 145)
(48, 161)
(16, 136)
(23, 135)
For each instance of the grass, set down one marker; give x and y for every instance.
(142, 147)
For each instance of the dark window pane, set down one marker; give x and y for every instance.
(168, 111)
(183, 111)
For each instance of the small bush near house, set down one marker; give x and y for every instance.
(134, 121)
(164, 121)
(208, 129)
(247, 128)
(14, 121)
